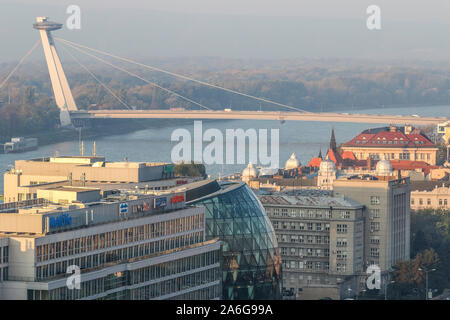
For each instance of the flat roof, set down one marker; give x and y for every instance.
(310, 201)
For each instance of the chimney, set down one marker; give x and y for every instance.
(408, 129)
(392, 128)
(369, 163)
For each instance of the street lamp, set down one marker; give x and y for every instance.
(385, 289)
(426, 280)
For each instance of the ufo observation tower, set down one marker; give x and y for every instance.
(61, 89)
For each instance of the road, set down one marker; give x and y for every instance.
(257, 115)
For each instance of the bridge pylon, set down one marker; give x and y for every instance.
(61, 90)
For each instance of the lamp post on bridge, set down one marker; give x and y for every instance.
(426, 280)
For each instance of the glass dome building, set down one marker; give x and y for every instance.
(251, 261)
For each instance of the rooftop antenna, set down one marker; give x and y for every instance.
(82, 149)
(79, 138)
(83, 179)
(94, 149)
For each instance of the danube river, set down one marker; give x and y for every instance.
(303, 138)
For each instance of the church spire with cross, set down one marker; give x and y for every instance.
(333, 141)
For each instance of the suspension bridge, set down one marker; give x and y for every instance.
(69, 110)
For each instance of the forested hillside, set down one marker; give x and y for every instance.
(27, 103)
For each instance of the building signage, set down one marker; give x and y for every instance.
(160, 202)
(178, 198)
(60, 221)
(123, 208)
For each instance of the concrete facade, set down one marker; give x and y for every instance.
(387, 215)
(135, 246)
(321, 241)
(21, 182)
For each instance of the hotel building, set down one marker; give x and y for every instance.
(405, 143)
(131, 245)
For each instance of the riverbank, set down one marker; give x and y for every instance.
(103, 129)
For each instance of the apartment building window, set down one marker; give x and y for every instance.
(327, 214)
(345, 215)
(275, 224)
(445, 202)
(284, 225)
(429, 202)
(341, 228)
(310, 226)
(375, 240)
(326, 239)
(318, 226)
(284, 251)
(341, 254)
(374, 226)
(293, 251)
(293, 213)
(318, 265)
(309, 265)
(318, 239)
(292, 225)
(276, 212)
(412, 201)
(5, 254)
(404, 156)
(420, 201)
(374, 200)
(341, 242)
(327, 227)
(294, 238)
(293, 264)
(310, 239)
(300, 252)
(284, 212)
(341, 267)
(326, 252)
(374, 252)
(301, 239)
(374, 213)
(318, 252)
(301, 226)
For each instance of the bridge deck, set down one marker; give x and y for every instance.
(256, 115)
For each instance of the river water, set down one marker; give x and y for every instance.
(154, 144)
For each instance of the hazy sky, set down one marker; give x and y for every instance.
(238, 28)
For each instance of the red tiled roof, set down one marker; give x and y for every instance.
(348, 155)
(315, 162)
(390, 139)
(412, 165)
(335, 157)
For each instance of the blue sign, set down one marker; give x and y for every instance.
(60, 221)
(123, 207)
(160, 202)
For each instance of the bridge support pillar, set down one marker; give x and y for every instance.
(63, 95)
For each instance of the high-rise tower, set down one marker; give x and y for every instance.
(63, 95)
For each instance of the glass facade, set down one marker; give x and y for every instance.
(251, 261)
